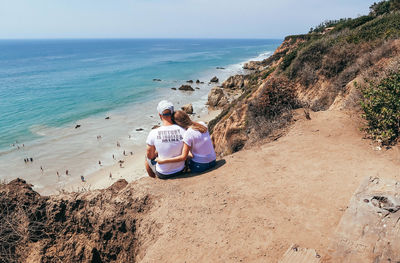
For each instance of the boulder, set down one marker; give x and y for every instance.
(198, 81)
(186, 88)
(188, 108)
(223, 101)
(214, 97)
(214, 79)
(253, 65)
(189, 81)
(234, 82)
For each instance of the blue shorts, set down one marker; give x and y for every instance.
(200, 167)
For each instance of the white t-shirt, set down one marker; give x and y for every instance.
(168, 143)
(201, 145)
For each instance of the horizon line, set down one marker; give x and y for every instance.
(142, 38)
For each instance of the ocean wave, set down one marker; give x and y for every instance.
(39, 129)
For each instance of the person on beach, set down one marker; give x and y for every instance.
(197, 142)
(164, 142)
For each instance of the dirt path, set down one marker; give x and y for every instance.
(262, 200)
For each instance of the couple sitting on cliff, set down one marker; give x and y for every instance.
(179, 138)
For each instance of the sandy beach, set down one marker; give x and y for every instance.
(131, 168)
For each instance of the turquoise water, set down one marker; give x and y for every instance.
(52, 83)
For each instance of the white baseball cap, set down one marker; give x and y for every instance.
(165, 105)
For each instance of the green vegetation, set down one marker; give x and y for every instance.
(339, 54)
(384, 7)
(329, 23)
(264, 74)
(381, 106)
(287, 60)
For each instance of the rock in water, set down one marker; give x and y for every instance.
(188, 108)
(189, 81)
(173, 88)
(156, 79)
(77, 126)
(198, 81)
(139, 129)
(214, 79)
(186, 88)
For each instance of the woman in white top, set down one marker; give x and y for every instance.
(197, 140)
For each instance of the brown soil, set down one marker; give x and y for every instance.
(252, 208)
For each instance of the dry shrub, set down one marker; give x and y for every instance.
(271, 109)
(22, 221)
(338, 59)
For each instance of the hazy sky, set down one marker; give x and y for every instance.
(169, 18)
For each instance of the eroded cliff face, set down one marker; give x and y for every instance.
(318, 75)
(95, 226)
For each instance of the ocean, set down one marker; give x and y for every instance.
(47, 87)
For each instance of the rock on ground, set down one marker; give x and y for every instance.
(188, 108)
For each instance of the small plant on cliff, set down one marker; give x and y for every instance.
(271, 109)
(381, 106)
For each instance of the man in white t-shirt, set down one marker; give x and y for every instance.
(164, 142)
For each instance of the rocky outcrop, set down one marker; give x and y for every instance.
(186, 88)
(188, 108)
(215, 96)
(94, 226)
(253, 65)
(234, 82)
(214, 79)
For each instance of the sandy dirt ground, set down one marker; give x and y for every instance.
(261, 200)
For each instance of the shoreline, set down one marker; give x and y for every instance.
(84, 164)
